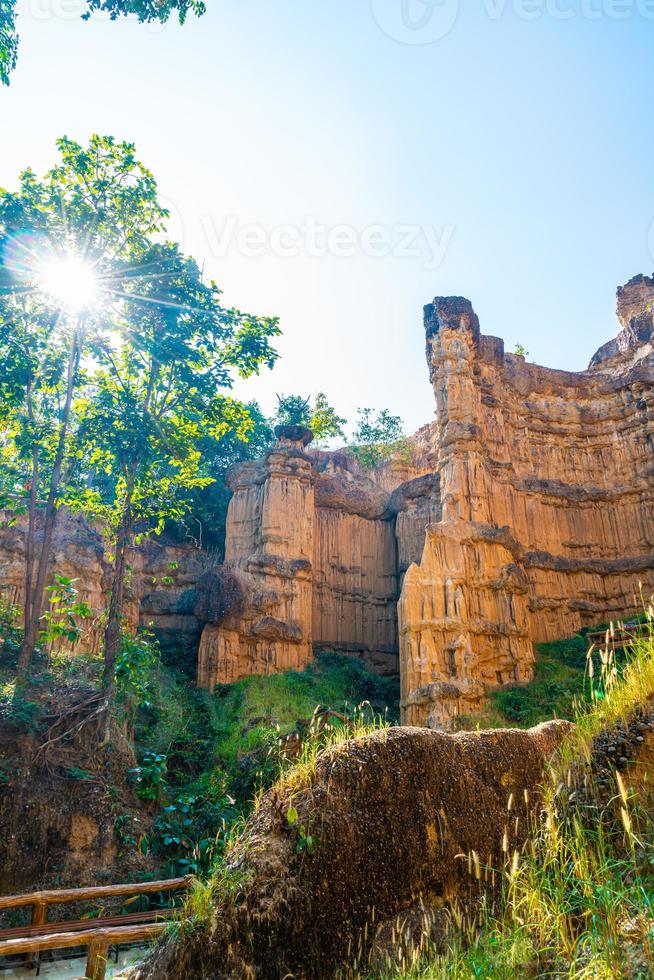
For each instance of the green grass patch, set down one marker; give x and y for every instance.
(560, 687)
(221, 750)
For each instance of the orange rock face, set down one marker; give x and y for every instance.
(160, 593)
(525, 511)
(562, 463)
(310, 561)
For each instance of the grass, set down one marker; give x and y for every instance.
(578, 902)
(223, 751)
(559, 686)
(235, 729)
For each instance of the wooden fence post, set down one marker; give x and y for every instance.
(39, 913)
(96, 961)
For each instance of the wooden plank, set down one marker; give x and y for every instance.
(55, 896)
(65, 940)
(76, 925)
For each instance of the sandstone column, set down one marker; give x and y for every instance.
(258, 604)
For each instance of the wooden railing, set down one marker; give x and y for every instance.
(617, 637)
(96, 934)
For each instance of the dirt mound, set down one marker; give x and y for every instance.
(383, 824)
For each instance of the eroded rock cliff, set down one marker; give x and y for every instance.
(563, 463)
(161, 589)
(521, 514)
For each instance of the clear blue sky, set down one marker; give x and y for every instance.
(524, 143)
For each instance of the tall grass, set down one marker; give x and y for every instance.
(578, 902)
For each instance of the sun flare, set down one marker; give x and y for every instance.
(70, 281)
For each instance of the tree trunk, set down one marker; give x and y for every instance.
(115, 615)
(31, 630)
(31, 518)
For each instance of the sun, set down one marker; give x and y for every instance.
(70, 281)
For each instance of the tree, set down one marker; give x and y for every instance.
(521, 350)
(206, 518)
(150, 359)
(159, 393)
(66, 242)
(378, 435)
(144, 10)
(293, 410)
(324, 422)
(8, 39)
(320, 417)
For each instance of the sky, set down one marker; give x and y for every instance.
(338, 163)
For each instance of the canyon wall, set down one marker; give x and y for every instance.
(521, 514)
(160, 593)
(547, 493)
(310, 562)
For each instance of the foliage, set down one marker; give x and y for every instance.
(8, 39)
(16, 710)
(293, 410)
(10, 632)
(88, 216)
(144, 10)
(142, 371)
(66, 611)
(305, 841)
(136, 669)
(521, 350)
(320, 416)
(324, 422)
(191, 831)
(377, 436)
(148, 777)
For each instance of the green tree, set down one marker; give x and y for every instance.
(206, 518)
(324, 422)
(293, 410)
(144, 10)
(159, 393)
(377, 436)
(320, 416)
(67, 242)
(8, 39)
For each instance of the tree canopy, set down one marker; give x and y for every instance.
(377, 436)
(119, 358)
(144, 10)
(318, 416)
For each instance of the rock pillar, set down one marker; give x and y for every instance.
(257, 606)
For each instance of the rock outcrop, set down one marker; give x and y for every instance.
(523, 513)
(311, 555)
(547, 493)
(401, 819)
(161, 589)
